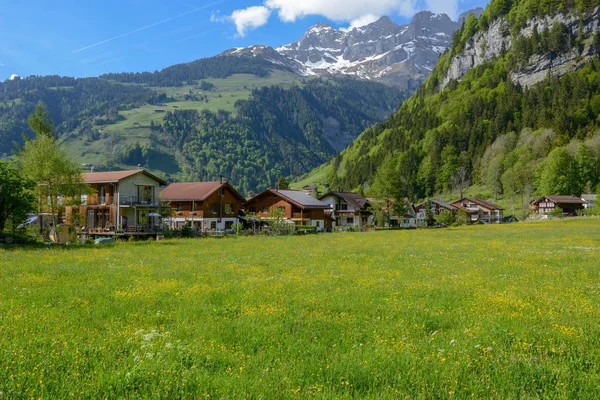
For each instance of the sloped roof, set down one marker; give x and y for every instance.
(295, 197)
(565, 199)
(195, 191)
(589, 197)
(440, 202)
(116, 176)
(356, 200)
(301, 198)
(482, 203)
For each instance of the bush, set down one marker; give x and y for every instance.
(186, 231)
(446, 218)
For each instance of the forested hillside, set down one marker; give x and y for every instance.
(494, 126)
(248, 128)
(276, 132)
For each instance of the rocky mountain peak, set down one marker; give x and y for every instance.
(398, 55)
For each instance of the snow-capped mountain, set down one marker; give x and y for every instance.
(398, 55)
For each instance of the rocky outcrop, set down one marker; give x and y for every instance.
(487, 45)
(397, 55)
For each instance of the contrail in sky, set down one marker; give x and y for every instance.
(147, 26)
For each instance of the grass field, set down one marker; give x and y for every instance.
(474, 312)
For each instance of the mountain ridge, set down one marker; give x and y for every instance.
(383, 51)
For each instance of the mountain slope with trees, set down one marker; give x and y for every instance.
(487, 128)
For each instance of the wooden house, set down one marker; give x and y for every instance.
(348, 208)
(569, 205)
(204, 205)
(123, 203)
(295, 206)
(437, 206)
(480, 210)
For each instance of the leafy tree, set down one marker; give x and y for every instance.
(16, 198)
(44, 161)
(40, 123)
(558, 174)
(587, 168)
(282, 183)
(446, 218)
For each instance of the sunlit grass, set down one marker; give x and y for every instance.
(483, 311)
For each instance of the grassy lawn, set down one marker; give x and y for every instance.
(483, 311)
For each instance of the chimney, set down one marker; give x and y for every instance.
(91, 168)
(139, 166)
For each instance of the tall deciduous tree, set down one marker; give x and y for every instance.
(16, 198)
(558, 174)
(44, 161)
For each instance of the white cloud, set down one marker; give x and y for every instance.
(13, 77)
(250, 18)
(340, 10)
(362, 21)
(443, 6)
(355, 12)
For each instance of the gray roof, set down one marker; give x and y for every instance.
(589, 197)
(302, 198)
(440, 203)
(356, 200)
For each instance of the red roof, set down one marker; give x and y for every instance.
(115, 176)
(195, 191)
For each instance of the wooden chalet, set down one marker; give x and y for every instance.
(124, 203)
(348, 208)
(569, 205)
(296, 206)
(203, 205)
(480, 210)
(437, 206)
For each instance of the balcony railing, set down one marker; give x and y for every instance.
(137, 201)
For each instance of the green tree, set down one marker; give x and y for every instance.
(586, 164)
(282, 183)
(44, 161)
(40, 123)
(558, 175)
(16, 198)
(386, 184)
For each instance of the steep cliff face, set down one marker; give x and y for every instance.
(486, 45)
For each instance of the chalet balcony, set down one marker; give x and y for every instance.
(99, 201)
(137, 201)
(301, 215)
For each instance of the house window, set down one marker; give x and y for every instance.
(318, 224)
(265, 209)
(252, 209)
(180, 207)
(228, 224)
(194, 206)
(228, 208)
(145, 194)
(281, 209)
(349, 220)
(213, 208)
(213, 225)
(343, 206)
(102, 195)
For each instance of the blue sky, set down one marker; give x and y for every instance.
(88, 38)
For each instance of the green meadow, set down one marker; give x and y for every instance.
(505, 311)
